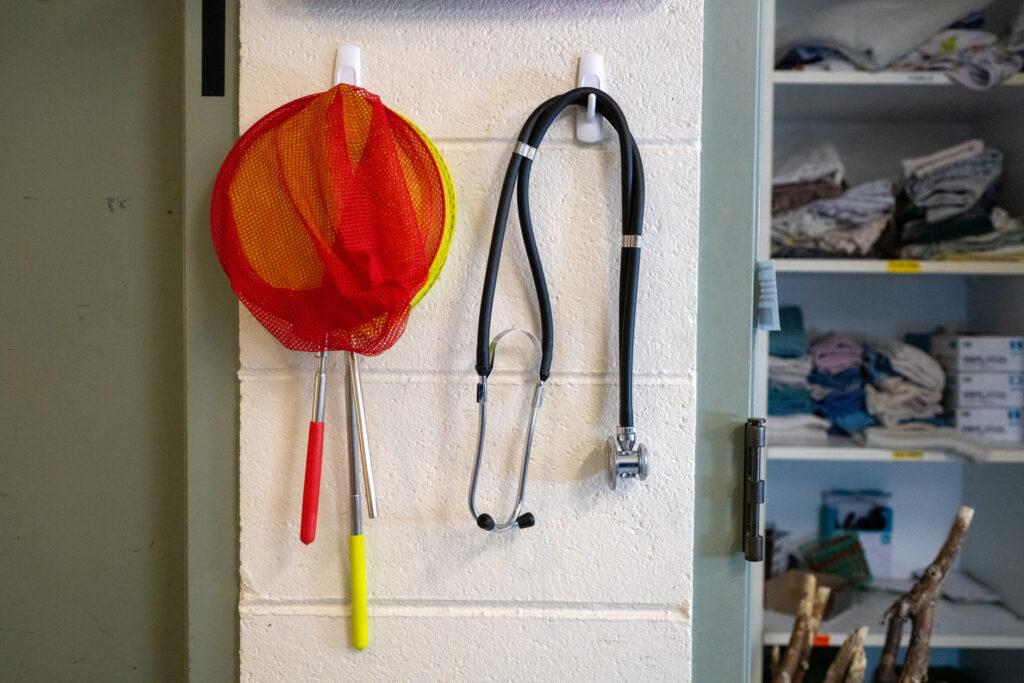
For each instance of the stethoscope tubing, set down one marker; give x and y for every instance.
(517, 180)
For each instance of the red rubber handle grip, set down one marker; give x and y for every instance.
(311, 488)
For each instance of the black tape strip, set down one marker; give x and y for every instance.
(213, 47)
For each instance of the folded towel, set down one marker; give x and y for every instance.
(834, 353)
(912, 363)
(791, 372)
(817, 163)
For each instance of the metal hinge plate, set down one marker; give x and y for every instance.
(753, 489)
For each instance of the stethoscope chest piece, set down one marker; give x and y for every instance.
(627, 458)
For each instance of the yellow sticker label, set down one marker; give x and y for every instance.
(901, 266)
(907, 455)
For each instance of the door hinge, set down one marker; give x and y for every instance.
(753, 489)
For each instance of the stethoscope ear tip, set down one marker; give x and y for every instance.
(485, 522)
(523, 521)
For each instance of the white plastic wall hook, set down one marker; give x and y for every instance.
(348, 65)
(589, 125)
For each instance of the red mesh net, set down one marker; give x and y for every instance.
(326, 216)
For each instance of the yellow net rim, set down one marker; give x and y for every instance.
(450, 204)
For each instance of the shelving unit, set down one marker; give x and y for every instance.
(875, 119)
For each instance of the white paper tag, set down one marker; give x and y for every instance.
(767, 297)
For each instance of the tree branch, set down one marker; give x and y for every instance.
(918, 606)
(859, 667)
(853, 644)
(791, 660)
(817, 610)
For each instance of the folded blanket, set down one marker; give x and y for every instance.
(809, 165)
(791, 340)
(823, 383)
(834, 353)
(847, 411)
(859, 204)
(858, 241)
(873, 33)
(802, 430)
(901, 401)
(790, 372)
(1004, 242)
(795, 195)
(788, 400)
(971, 223)
(942, 48)
(967, 149)
(955, 187)
(912, 363)
(849, 224)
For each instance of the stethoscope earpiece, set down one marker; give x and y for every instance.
(523, 521)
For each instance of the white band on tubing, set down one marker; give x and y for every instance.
(525, 150)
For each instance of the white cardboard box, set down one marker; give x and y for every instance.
(966, 353)
(1002, 425)
(984, 390)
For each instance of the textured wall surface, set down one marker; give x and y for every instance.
(601, 587)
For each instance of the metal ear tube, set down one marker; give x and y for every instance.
(518, 518)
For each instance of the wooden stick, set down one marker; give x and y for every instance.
(918, 606)
(818, 609)
(859, 667)
(773, 662)
(853, 644)
(790, 660)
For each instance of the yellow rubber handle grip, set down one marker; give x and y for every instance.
(357, 575)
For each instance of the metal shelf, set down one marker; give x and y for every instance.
(845, 450)
(899, 267)
(957, 625)
(887, 96)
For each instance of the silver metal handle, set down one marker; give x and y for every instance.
(354, 468)
(320, 388)
(364, 442)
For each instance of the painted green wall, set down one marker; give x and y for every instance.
(92, 581)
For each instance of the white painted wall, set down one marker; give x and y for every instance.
(600, 589)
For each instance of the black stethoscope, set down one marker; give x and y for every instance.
(627, 458)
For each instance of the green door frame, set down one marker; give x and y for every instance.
(211, 365)
(730, 167)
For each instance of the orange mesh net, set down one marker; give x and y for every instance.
(331, 216)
